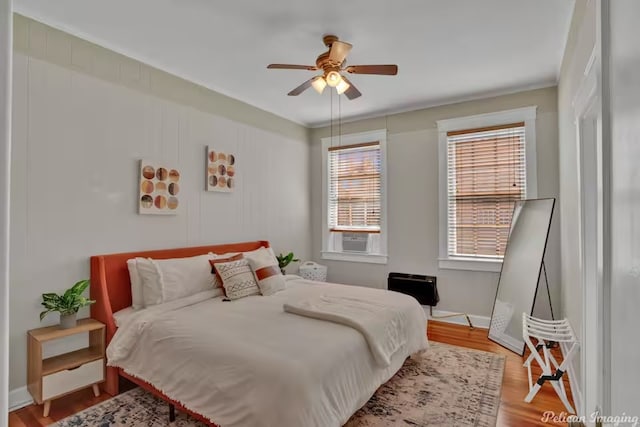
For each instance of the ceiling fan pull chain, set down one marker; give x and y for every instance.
(331, 118)
(339, 120)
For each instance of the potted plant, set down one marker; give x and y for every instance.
(66, 304)
(284, 260)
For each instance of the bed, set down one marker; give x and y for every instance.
(245, 362)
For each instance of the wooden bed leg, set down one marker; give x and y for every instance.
(172, 413)
(111, 384)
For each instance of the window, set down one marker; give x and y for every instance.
(354, 197)
(487, 168)
(354, 188)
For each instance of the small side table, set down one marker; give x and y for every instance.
(65, 373)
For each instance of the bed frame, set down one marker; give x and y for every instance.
(111, 289)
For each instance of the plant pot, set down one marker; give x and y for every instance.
(68, 321)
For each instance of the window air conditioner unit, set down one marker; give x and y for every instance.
(355, 242)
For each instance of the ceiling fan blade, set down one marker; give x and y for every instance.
(388, 70)
(304, 86)
(339, 51)
(352, 92)
(291, 67)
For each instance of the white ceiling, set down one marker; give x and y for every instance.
(446, 50)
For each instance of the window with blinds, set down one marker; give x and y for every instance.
(354, 188)
(486, 174)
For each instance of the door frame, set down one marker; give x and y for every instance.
(592, 393)
(6, 53)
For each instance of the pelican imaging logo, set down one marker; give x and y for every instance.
(159, 189)
(551, 417)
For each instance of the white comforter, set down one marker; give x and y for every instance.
(382, 324)
(248, 363)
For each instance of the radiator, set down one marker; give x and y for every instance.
(422, 288)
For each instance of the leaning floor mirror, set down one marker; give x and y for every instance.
(522, 266)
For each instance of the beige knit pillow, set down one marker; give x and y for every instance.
(237, 279)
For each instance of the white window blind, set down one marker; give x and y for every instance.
(486, 174)
(354, 188)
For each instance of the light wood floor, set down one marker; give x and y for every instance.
(513, 410)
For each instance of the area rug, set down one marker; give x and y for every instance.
(445, 386)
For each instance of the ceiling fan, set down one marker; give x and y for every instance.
(332, 64)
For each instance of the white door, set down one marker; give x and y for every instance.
(590, 397)
(591, 263)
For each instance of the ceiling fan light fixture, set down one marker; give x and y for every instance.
(333, 78)
(342, 86)
(319, 84)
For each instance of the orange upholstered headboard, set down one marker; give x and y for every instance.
(111, 288)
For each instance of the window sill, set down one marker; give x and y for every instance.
(470, 264)
(355, 257)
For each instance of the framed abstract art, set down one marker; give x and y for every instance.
(159, 189)
(221, 171)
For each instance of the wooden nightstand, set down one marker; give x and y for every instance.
(59, 375)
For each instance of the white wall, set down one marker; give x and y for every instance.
(580, 45)
(624, 79)
(80, 128)
(6, 33)
(579, 48)
(412, 160)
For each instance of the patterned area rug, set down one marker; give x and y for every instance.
(446, 386)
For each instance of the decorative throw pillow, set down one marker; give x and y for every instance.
(266, 270)
(217, 281)
(237, 279)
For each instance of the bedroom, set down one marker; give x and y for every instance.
(89, 103)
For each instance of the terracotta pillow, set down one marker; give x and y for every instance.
(217, 281)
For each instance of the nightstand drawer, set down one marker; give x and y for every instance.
(65, 381)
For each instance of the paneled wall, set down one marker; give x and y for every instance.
(83, 117)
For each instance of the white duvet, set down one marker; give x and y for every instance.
(249, 363)
(382, 324)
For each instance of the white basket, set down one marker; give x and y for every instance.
(313, 271)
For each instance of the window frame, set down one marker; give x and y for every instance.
(381, 256)
(526, 115)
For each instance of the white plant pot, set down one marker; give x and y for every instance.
(68, 321)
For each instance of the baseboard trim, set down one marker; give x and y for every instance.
(478, 321)
(19, 398)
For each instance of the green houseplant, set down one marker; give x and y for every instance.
(66, 304)
(284, 260)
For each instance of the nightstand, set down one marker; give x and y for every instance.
(65, 373)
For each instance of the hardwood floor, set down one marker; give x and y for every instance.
(513, 410)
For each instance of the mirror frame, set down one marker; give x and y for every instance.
(535, 295)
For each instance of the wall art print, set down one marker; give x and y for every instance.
(221, 171)
(159, 189)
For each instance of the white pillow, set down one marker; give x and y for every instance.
(165, 280)
(266, 270)
(237, 279)
(137, 299)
